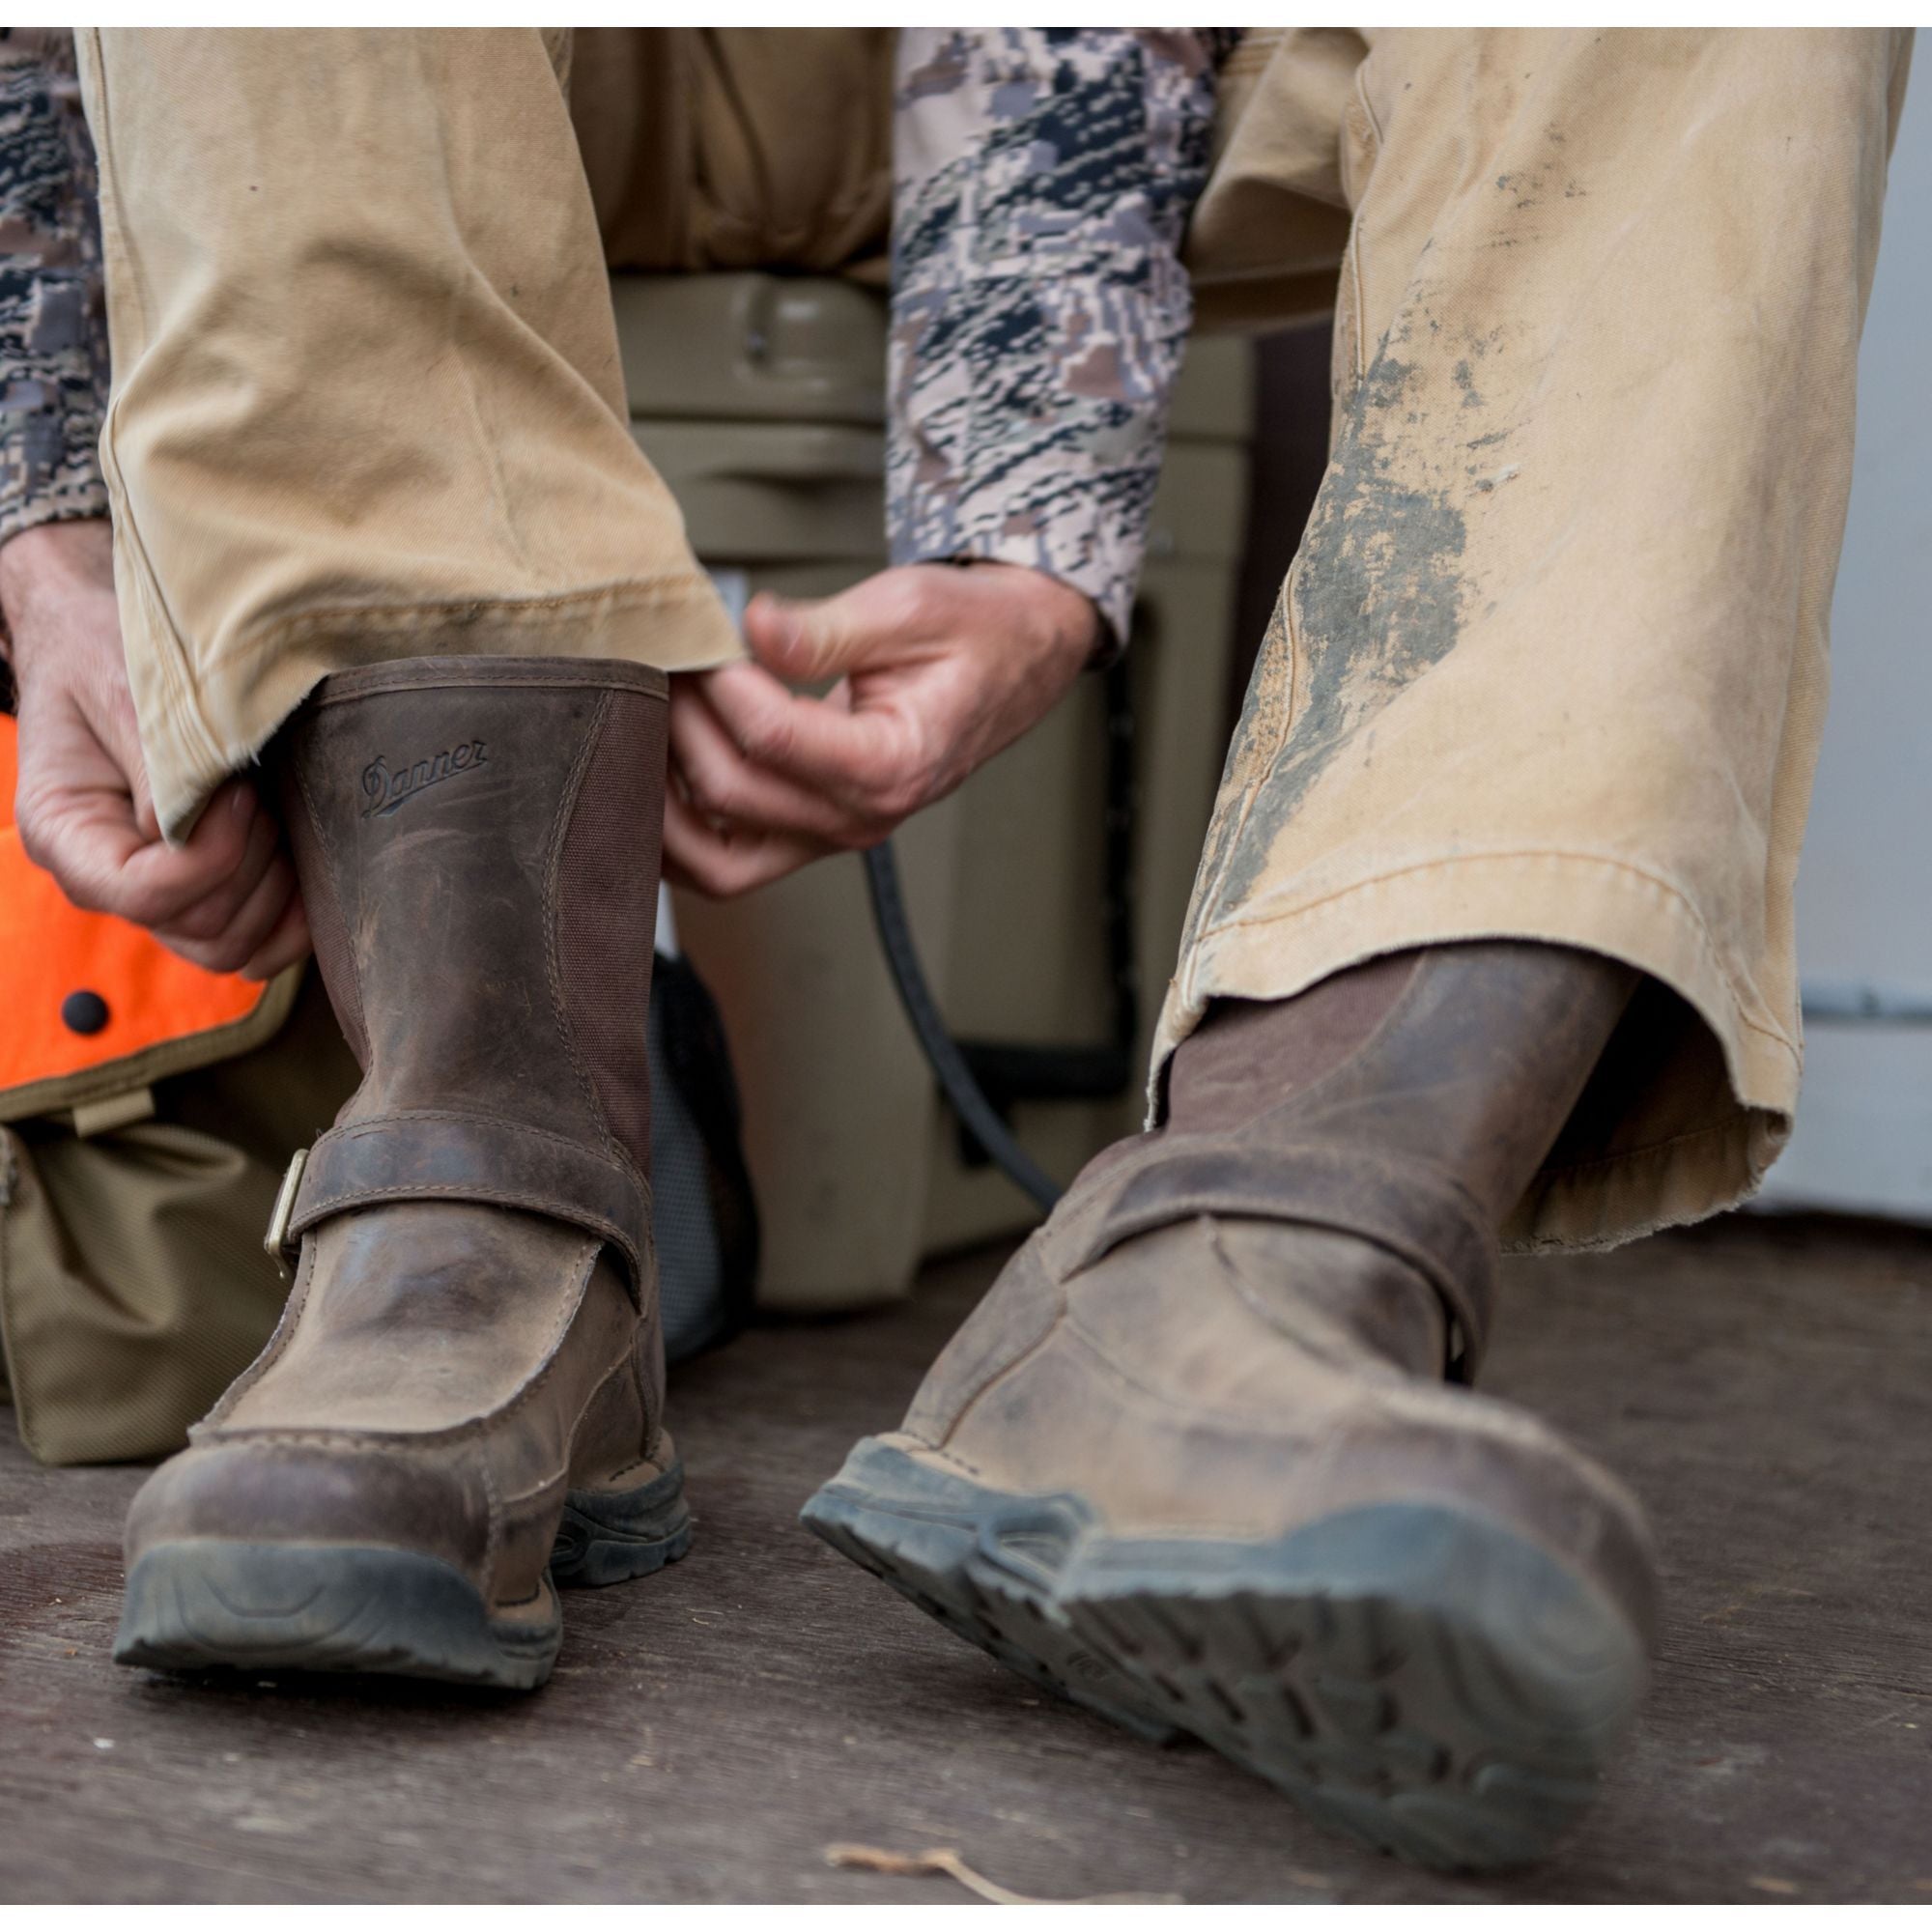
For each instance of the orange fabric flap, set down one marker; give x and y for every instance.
(50, 950)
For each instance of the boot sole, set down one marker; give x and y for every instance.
(984, 1564)
(213, 1604)
(1416, 1675)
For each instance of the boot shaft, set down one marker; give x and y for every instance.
(477, 841)
(1466, 1058)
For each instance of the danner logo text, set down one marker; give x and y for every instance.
(388, 792)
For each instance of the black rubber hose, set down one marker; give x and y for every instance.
(955, 1078)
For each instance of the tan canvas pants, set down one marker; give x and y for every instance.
(1550, 662)
(367, 398)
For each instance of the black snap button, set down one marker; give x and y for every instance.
(84, 1012)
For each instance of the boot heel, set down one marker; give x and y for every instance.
(612, 1536)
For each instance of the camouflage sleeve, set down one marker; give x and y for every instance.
(53, 327)
(1043, 177)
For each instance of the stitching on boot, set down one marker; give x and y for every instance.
(508, 1197)
(461, 1118)
(1088, 1235)
(617, 1368)
(271, 1352)
(626, 1359)
(333, 871)
(567, 811)
(493, 1535)
(538, 1376)
(1059, 1314)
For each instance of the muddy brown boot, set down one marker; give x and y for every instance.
(464, 1403)
(1202, 1460)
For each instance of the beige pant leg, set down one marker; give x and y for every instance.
(1550, 662)
(730, 147)
(367, 398)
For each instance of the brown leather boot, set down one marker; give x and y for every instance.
(1202, 1461)
(463, 1403)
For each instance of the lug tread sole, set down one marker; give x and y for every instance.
(940, 1562)
(1417, 1675)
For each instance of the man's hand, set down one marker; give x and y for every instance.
(225, 899)
(937, 669)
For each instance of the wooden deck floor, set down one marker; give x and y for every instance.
(1766, 1385)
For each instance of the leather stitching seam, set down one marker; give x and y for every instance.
(458, 1117)
(493, 1535)
(566, 813)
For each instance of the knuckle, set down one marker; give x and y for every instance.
(714, 794)
(229, 844)
(222, 953)
(898, 796)
(85, 893)
(768, 739)
(34, 841)
(140, 908)
(201, 922)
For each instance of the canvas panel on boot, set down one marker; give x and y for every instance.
(1194, 1460)
(463, 1402)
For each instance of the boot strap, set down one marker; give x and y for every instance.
(1420, 1214)
(430, 1155)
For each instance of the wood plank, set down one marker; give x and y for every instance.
(1764, 1384)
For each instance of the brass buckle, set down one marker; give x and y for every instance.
(276, 1241)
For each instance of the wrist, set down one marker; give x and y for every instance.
(50, 563)
(1070, 617)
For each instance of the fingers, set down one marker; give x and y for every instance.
(725, 788)
(91, 843)
(224, 898)
(249, 928)
(213, 914)
(721, 864)
(936, 670)
(158, 885)
(810, 639)
(896, 616)
(110, 712)
(867, 759)
(218, 899)
(287, 942)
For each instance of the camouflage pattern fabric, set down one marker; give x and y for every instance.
(53, 323)
(1045, 177)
